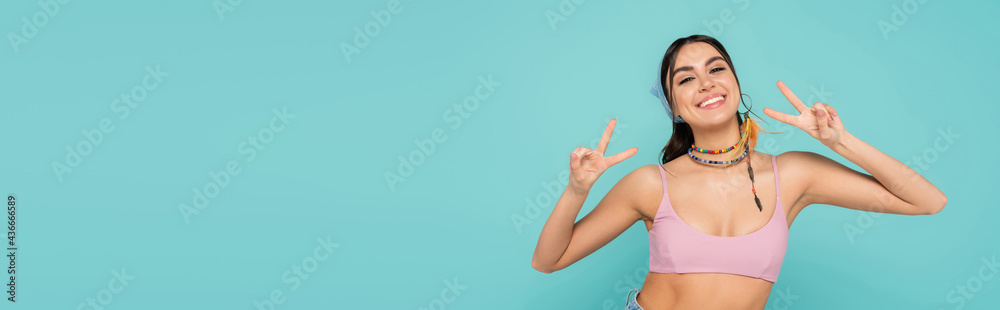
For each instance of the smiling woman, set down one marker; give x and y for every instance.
(717, 237)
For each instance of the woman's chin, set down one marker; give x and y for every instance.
(714, 119)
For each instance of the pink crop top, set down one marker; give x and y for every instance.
(675, 247)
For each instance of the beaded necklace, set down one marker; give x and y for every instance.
(750, 130)
(701, 150)
(716, 162)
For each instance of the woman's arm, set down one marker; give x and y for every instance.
(892, 186)
(558, 231)
(563, 242)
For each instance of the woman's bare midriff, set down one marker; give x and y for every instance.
(707, 291)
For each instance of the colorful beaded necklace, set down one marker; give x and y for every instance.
(748, 126)
(701, 150)
(716, 162)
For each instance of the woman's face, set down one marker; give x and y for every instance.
(704, 88)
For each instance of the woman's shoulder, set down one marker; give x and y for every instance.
(644, 187)
(646, 173)
(798, 158)
(799, 164)
(642, 180)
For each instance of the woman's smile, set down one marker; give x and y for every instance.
(712, 101)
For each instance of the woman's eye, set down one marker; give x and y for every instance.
(684, 80)
(717, 69)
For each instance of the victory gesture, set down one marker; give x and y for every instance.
(820, 121)
(586, 165)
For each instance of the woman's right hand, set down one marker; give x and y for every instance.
(586, 165)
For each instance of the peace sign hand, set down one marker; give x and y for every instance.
(586, 165)
(820, 121)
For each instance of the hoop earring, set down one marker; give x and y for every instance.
(745, 104)
(749, 109)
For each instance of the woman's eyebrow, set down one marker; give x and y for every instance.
(688, 68)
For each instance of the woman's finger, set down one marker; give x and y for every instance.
(826, 110)
(603, 145)
(792, 98)
(617, 158)
(822, 118)
(576, 157)
(835, 120)
(833, 112)
(781, 117)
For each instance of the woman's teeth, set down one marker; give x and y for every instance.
(711, 101)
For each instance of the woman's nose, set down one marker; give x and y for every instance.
(707, 84)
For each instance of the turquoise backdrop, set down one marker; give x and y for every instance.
(385, 154)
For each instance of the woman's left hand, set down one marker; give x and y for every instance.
(820, 121)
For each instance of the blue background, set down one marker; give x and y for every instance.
(563, 69)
